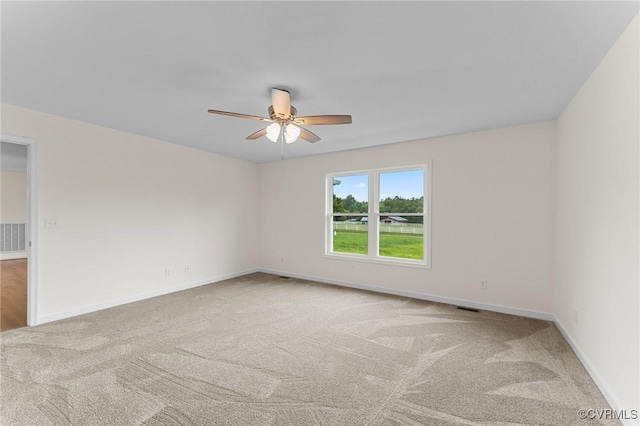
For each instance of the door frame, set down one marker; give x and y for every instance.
(32, 226)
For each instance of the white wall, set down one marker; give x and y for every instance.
(128, 207)
(13, 205)
(493, 202)
(597, 220)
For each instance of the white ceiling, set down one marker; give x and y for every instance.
(404, 71)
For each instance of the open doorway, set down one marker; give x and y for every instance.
(13, 235)
(17, 232)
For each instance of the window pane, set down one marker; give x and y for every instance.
(350, 234)
(402, 192)
(402, 237)
(351, 194)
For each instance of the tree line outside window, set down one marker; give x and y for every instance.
(394, 198)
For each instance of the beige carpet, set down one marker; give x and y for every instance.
(263, 350)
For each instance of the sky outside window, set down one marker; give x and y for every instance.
(352, 185)
(404, 184)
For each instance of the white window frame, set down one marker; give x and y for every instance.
(373, 177)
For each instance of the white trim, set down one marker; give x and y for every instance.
(428, 203)
(13, 255)
(373, 225)
(387, 261)
(124, 300)
(613, 401)
(373, 248)
(32, 226)
(422, 296)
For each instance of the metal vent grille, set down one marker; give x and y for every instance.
(12, 237)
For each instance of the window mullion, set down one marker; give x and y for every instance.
(374, 219)
(329, 220)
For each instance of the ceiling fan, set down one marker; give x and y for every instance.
(285, 124)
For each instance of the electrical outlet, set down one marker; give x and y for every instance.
(187, 269)
(282, 260)
(167, 272)
(50, 223)
(484, 285)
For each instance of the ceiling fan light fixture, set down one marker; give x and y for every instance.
(273, 132)
(284, 120)
(291, 133)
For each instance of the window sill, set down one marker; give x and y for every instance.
(420, 264)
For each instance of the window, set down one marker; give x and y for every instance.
(350, 214)
(379, 215)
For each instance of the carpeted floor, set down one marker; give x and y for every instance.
(264, 350)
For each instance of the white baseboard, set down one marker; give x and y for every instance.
(122, 301)
(451, 301)
(13, 255)
(422, 296)
(613, 401)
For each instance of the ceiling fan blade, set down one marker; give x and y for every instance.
(257, 134)
(281, 101)
(238, 115)
(308, 136)
(314, 120)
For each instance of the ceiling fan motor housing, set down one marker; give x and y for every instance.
(281, 118)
